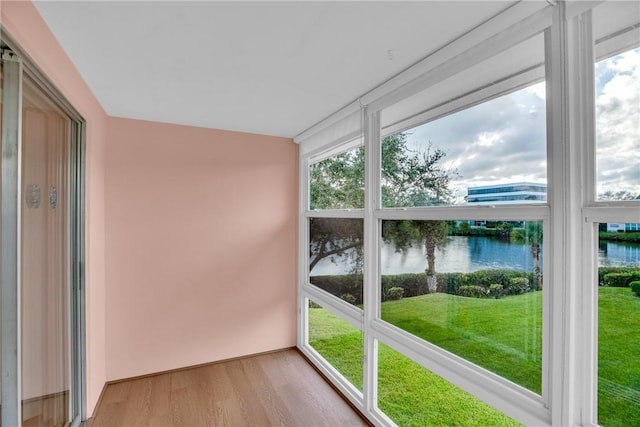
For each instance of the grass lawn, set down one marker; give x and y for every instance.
(408, 393)
(501, 335)
(618, 358)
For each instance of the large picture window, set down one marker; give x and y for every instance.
(617, 91)
(337, 341)
(618, 339)
(617, 101)
(401, 380)
(473, 290)
(491, 153)
(475, 260)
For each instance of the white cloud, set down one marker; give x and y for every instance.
(618, 123)
(504, 140)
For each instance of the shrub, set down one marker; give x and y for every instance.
(340, 285)
(348, 298)
(413, 284)
(495, 290)
(313, 304)
(518, 285)
(635, 287)
(621, 280)
(450, 282)
(472, 291)
(603, 271)
(395, 293)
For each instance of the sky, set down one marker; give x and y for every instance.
(503, 140)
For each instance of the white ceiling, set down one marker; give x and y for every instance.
(272, 68)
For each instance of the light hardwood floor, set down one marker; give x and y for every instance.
(279, 388)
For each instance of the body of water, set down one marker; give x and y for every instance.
(467, 254)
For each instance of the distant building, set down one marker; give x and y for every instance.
(622, 227)
(519, 192)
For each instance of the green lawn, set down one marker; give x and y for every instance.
(501, 335)
(619, 358)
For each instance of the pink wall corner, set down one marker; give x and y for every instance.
(23, 23)
(201, 230)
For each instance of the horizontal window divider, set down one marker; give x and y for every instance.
(335, 305)
(482, 94)
(627, 212)
(335, 213)
(512, 399)
(335, 377)
(625, 39)
(531, 212)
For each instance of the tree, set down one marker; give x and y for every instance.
(533, 235)
(404, 233)
(332, 237)
(413, 178)
(618, 195)
(410, 178)
(338, 182)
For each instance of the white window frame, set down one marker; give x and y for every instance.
(569, 218)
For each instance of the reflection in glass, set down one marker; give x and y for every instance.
(494, 152)
(335, 256)
(473, 288)
(618, 330)
(45, 275)
(338, 182)
(414, 396)
(337, 341)
(618, 126)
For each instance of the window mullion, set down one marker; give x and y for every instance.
(570, 121)
(371, 289)
(303, 245)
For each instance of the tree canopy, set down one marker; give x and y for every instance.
(410, 178)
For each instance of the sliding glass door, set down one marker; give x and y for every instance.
(41, 212)
(45, 263)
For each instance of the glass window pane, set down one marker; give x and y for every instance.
(414, 396)
(335, 256)
(618, 126)
(491, 153)
(473, 288)
(337, 341)
(618, 325)
(338, 181)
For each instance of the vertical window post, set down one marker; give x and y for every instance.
(11, 159)
(570, 123)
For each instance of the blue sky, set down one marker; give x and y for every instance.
(503, 140)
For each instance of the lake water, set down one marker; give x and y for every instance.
(467, 254)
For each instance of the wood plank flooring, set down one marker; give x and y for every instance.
(279, 388)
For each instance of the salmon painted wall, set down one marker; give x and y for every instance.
(22, 22)
(201, 245)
